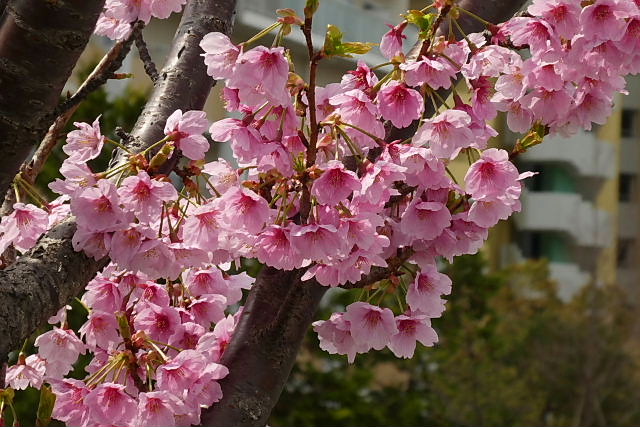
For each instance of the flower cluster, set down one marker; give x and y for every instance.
(320, 185)
(118, 15)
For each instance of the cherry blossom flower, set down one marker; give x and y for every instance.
(220, 55)
(400, 104)
(186, 130)
(411, 328)
(446, 134)
(391, 44)
(370, 325)
(27, 372)
(335, 184)
(158, 322)
(144, 195)
(23, 227)
(109, 404)
(85, 143)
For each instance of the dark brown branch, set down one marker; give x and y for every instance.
(104, 71)
(277, 314)
(109, 63)
(145, 56)
(381, 273)
(36, 286)
(40, 43)
(48, 276)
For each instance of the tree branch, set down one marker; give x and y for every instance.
(53, 267)
(264, 347)
(109, 63)
(36, 286)
(145, 56)
(40, 43)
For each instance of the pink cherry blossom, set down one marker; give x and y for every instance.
(245, 209)
(316, 241)
(158, 322)
(98, 208)
(274, 248)
(181, 372)
(411, 328)
(425, 292)
(59, 345)
(220, 55)
(157, 408)
(391, 44)
(361, 78)
(109, 404)
(425, 220)
(370, 325)
(101, 330)
(491, 176)
(78, 176)
(23, 227)
(208, 308)
(162, 9)
(335, 184)
(27, 372)
(187, 335)
(144, 195)
(433, 71)
(605, 19)
(400, 104)
(186, 130)
(85, 143)
(69, 405)
(446, 134)
(335, 337)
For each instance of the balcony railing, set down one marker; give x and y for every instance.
(565, 212)
(588, 155)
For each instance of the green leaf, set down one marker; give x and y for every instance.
(310, 8)
(334, 46)
(423, 21)
(45, 408)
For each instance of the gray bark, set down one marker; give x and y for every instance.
(40, 43)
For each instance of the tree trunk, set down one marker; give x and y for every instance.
(40, 43)
(52, 273)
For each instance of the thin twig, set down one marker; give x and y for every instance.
(380, 273)
(104, 71)
(145, 56)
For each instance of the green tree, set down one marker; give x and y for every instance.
(510, 353)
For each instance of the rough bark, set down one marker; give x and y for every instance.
(26, 294)
(263, 350)
(37, 286)
(183, 83)
(40, 43)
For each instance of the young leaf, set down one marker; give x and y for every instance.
(310, 8)
(334, 46)
(45, 408)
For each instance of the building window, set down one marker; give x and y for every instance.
(550, 245)
(626, 183)
(629, 123)
(625, 253)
